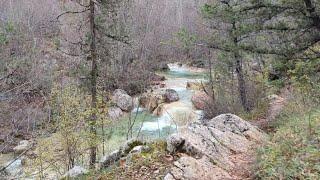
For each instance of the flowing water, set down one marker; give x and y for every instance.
(147, 126)
(175, 115)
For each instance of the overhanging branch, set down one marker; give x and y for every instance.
(71, 12)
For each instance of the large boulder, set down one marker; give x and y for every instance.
(75, 172)
(151, 101)
(201, 100)
(108, 160)
(194, 86)
(115, 113)
(22, 146)
(163, 67)
(171, 96)
(122, 100)
(129, 145)
(212, 145)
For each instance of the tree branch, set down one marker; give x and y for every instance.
(71, 12)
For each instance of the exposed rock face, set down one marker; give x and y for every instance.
(123, 100)
(75, 172)
(114, 113)
(210, 147)
(190, 168)
(22, 146)
(201, 100)
(171, 96)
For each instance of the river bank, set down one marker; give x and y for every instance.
(146, 127)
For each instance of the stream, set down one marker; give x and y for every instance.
(147, 126)
(175, 115)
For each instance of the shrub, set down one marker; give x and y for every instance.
(293, 152)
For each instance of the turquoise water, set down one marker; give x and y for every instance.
(150, 127)
(185, 74)
(146, 126)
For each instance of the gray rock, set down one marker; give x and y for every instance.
(169, 177)
(22, 146)
(171, 96)
(115, 113)
(210, 145)
(110, 159)
(129, 145)
(163, 67)
(140, 149)
(75, 172)
(151, 101)
(201, 100)
(175, 143)
(122, 100)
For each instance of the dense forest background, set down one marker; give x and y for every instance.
(61, 61)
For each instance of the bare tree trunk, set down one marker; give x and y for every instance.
(94, 73)
(212, 95)
(241, 84)
(239, 70)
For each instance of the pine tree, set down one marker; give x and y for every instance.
(227, 25)
(285, 31)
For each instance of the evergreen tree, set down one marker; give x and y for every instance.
(285, 31)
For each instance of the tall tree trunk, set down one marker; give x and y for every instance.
(239, 70)
(241, 84)
(212, 95)
(94, 73)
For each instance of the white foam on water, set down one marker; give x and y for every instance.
(162, 122)
(140, 109)
(15, 168)
(177, 68)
